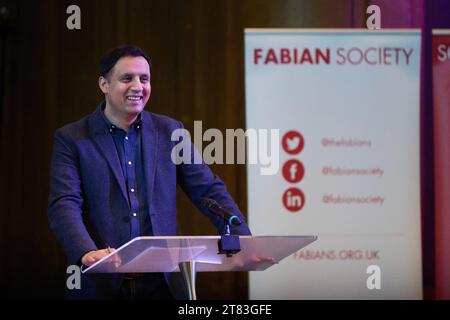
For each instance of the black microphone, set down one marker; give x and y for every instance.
(221, 212)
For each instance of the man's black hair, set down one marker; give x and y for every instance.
(110, 58)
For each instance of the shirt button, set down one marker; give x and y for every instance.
(110, 130)
(126, 138)
(132, 190)
(129, 162)
(134, 214)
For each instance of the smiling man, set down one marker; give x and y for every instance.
(112, 179)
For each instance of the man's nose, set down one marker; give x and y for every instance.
(136, 85)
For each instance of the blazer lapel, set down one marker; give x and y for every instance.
(103, 138)
(149, 153)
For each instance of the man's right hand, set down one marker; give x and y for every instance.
(93, 256)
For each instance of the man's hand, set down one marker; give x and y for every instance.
(93, 256)
(253, 261)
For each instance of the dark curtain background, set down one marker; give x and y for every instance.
(49, 78)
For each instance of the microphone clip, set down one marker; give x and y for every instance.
(229, 244)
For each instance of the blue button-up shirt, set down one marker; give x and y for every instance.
(128, 146)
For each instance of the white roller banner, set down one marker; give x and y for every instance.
(346, 103)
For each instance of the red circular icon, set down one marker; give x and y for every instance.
(293, 199)
(293, 142)
(293, 171)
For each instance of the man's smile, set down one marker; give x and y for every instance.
(134, 98)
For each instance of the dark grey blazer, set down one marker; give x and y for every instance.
(88, 207)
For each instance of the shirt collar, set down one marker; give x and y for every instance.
(137, 124)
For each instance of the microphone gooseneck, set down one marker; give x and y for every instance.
(226, 215)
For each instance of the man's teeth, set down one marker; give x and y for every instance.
(133, 98)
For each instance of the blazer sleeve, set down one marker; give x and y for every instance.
(65, 205)
(199, 182)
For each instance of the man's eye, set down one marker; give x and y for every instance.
(144, 80)
(126, 79)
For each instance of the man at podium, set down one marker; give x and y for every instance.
(113, 179)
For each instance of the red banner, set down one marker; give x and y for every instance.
(441, 114)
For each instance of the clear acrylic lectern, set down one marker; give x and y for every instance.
(189, 254)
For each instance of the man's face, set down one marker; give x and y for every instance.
(127, 87)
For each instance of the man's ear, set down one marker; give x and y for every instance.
(103, 84)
